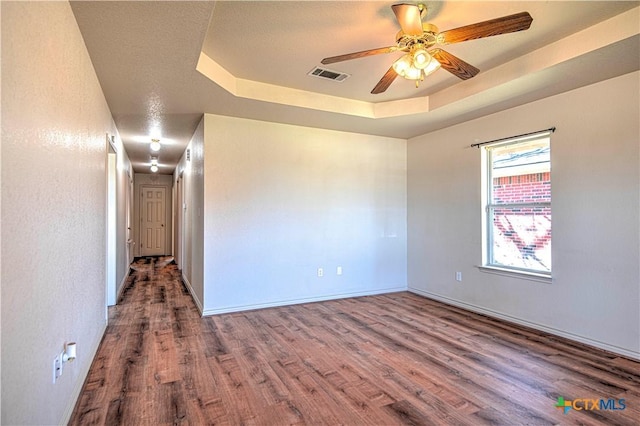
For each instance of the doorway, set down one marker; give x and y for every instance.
(153, 231)
(129, 217)
(112, 222)
(180, 207)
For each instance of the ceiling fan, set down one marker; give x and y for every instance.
(416, 37)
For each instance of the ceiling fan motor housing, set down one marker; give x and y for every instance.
(428, 37)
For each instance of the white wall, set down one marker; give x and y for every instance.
(54, 125)
(595, 293)
(281, 201)
(192, 171)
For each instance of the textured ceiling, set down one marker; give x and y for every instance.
(254, 58)
(280, 42)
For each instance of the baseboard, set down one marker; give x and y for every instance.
(240, 308)
(122, 284)
(561, 333)
(68, 412)
(193, 294)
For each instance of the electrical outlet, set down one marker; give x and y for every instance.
(458, 276)
(320, 272)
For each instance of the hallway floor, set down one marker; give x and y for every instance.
(379, 360)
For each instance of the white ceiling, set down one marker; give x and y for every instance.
(253, 59)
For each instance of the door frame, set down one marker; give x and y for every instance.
(165, 241)
(146, 179)
(130, 254)
(179, 222)
(112, 222)
(167, 249)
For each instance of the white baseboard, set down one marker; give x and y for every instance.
(122, 284)
(68, 412)
(240, 308)
(197, 301)
(488, 312)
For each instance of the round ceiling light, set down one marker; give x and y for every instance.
(155, 145)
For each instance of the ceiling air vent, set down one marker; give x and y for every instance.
(329, 74)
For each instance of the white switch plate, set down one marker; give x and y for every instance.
(320, 272)
(458, 276)
(339, 270)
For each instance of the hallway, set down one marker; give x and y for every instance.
(136, 375)
(389, 359)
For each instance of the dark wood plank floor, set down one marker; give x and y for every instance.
(378, 360)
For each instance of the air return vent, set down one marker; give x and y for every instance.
(328, 74)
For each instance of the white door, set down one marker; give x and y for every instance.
(152, 222)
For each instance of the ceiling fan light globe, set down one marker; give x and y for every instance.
(431, 67)
(413, 73)
(403, 65)
(421, 58)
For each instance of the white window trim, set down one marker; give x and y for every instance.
(516, 273)
(485, 207)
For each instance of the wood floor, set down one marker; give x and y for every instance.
(378, 360)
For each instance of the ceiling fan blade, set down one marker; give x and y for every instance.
(385, 81)
(454, 65)
(408, 16)
(356, 55)
(507, 24)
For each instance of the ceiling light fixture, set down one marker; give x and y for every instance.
(154, 164)
(155, 145)
(416, 65)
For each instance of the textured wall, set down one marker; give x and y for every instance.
(595, 173)
(192, 172)
(54, 122)
(281, 201)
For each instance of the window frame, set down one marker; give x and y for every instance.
(488, 265)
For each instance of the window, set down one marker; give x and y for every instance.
(518, 204)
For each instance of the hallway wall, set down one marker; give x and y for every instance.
(54, 125)
(191, 168)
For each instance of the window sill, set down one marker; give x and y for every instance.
(531, 276)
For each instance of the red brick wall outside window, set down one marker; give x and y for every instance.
(522, 234)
